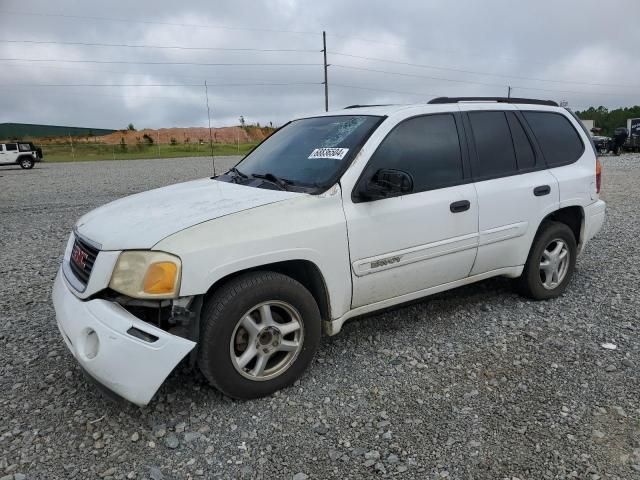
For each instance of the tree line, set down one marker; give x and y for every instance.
(609, 120)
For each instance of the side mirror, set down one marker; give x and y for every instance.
(387, 183)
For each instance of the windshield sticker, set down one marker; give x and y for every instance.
(330, 153)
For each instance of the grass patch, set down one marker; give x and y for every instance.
(84, 152)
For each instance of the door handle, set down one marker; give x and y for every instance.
(542, 190)
(461, 206)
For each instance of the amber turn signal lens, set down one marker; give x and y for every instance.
(160, 278)
(598, 175)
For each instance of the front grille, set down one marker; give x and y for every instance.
(83, 256)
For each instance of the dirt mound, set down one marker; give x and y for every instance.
(193, 135)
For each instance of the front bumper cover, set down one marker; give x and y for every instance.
(96, 333)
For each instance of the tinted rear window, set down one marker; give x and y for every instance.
(494, 147)
(524, 151)
(558, 140)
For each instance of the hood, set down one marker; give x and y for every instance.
(142, 220)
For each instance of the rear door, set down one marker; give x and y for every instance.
(566, 155)
(515, 190)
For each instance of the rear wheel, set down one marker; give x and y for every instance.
(26, 163)
(551, 262)
(259, 334)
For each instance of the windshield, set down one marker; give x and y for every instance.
(310, 151)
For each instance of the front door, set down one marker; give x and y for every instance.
(10, 153)
(421, 239)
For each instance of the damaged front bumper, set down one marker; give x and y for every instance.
(128, 356)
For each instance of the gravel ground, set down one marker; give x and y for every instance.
(474, 383)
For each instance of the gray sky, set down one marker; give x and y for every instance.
(581, 51)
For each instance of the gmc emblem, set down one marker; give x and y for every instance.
(78, 256)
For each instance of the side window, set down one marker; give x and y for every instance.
(11, 147)
(558, 140)
(494, 147)
(524, 151)
(24, 147)
(427, 147)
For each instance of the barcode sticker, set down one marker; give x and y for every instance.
(330, 153)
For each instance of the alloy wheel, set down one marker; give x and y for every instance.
(554, 263)
(266, 340)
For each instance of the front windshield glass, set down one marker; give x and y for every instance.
(309, 151)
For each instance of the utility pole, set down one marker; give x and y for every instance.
(509, 91)
(326, 83)
(213, 159)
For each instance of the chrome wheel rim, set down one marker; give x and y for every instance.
(554, 263)
(266, 340)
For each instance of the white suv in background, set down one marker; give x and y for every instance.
(331, 217)
(24, 154)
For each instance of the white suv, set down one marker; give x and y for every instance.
(331, 217)
(24, 154)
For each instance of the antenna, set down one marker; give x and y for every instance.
(213, 159)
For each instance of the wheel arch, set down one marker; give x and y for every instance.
(304, 271)
(573, 217)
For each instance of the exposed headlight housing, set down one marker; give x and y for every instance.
(147, 274)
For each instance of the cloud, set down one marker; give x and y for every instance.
(461, 48)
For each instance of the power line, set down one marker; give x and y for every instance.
(148, 22)
(417, 94)
(574, 92)
(260, 84)
(475, 55)
(386, 72)
(128, 62)
(123, 95)
(293, 50)
(167, 47)
(435, 67)
(94, 70)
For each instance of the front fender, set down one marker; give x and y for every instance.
(310, 228)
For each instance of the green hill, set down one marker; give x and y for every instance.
(9, 131)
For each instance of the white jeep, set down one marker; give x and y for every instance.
(331, 217)
(24, 154)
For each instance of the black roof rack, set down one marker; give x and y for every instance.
(365, 106)
(531, 101)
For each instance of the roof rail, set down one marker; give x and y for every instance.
(531, 101)
(365, 106)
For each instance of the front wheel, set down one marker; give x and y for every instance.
(26, 163)
(259, 334)
(551, 262)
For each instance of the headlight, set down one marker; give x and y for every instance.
(146, 274)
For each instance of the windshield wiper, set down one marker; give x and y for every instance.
(237, 172)
(283, 183)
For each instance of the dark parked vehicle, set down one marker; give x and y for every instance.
(613, 144)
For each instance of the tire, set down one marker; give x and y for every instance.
(26, 163)
(538, 282)
(271, 300)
